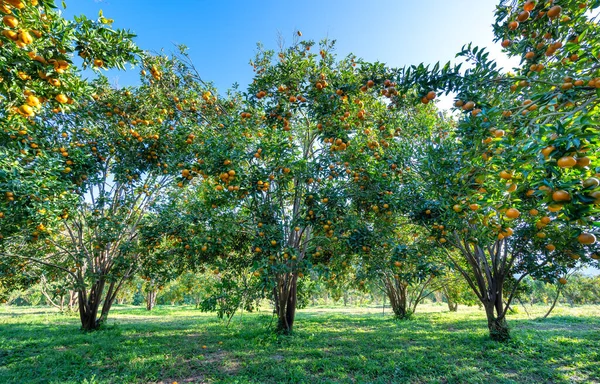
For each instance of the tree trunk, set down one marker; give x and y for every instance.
(489, 267)
(285, 294)
(397, 293)
(150, 300)
(558, 290)
(111, 295)
(452, 306)
(89, 304)
(496, 324)
(73, 299)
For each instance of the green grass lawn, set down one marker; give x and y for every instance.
(330, 345)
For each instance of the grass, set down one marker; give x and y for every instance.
(330, 345)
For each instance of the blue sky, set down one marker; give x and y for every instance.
(222, 35)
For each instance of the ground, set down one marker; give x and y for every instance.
(330, 345)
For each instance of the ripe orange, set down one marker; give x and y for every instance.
(550, 247)
(561, 195)
(32, 101)
(548, 150)
(554, 11)
(562, 280)
(10, 21)
(512, 213)
(567, 162)
(24, 39)
(10, 34)
(513, 25)
(595, 195)
(523, 16)
(505, 43)
(586, 238)
(529, 6)
(431, 95)
(506, 175)
(474, 207)
(566, 86)
(591, 182)
(554, 207)
(457, 208)
(583, 161)
(534, 212)
(26, 110)
(61, 98)
(468, 106)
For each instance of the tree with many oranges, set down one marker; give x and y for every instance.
(514, 186)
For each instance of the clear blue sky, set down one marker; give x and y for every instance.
(222, 35)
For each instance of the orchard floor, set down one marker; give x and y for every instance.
(330, 345)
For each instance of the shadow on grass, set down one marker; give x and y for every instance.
(328, 348)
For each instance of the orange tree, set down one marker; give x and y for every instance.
(286, 159)
(108, 157)
(514, 186)
(380, 246)
(377, 242)
(185, 238)
(36, 76)
(403, 267)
